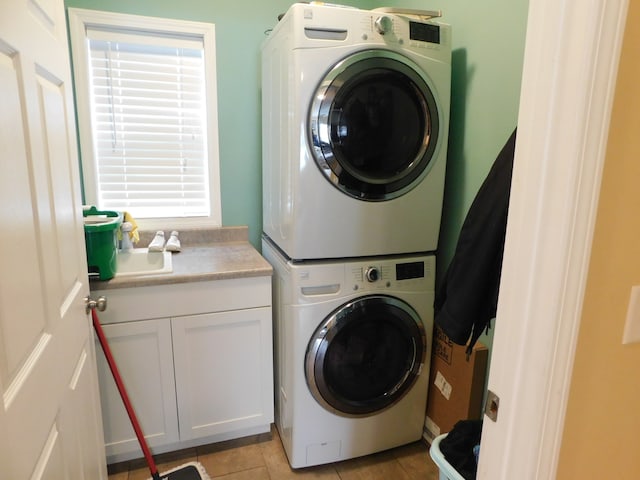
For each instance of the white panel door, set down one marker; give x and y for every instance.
(49, 409)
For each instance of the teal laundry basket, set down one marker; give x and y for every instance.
(447, 472)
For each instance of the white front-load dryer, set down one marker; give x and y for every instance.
(355, 124)
(352, 353)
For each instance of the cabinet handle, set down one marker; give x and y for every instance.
(100, 303)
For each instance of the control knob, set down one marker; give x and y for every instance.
(372, 274)
(383, 25)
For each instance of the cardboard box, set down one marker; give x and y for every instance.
(456, 386)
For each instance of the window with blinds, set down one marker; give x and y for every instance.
(149, 107)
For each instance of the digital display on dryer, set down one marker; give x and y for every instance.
(407, 271)
(424, 32)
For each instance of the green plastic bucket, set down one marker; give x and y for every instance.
(101, 239)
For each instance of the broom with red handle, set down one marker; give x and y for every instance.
(125, 397)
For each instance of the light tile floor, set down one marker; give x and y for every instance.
(263, 458)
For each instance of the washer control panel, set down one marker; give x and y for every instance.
(388, 274)
(374, 275)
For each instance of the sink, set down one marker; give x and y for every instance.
(140, 261)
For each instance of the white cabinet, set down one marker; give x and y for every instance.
(196, 359)
(222, 382)
(143, 354)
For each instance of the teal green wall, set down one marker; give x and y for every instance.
(488, 43)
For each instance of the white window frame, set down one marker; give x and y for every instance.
(79, 21)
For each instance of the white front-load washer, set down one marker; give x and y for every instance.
(355, 124)
(352, 345)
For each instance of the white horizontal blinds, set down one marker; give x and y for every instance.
(149, 115)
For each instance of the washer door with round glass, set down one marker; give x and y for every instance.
(365, 356)
(374, 125)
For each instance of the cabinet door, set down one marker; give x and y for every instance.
(223, 365)
(143, 354)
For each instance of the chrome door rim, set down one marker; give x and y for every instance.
(331, 326)
(319, 134)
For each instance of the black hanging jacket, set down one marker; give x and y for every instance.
(468, 295)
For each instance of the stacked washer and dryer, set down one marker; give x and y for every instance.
(355, 124)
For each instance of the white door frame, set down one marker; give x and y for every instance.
(570, 68)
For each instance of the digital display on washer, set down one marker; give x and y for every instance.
(407, 271)
(424, 32)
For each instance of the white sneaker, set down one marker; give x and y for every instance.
(157, 244)
(173, 244)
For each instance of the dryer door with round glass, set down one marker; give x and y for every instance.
(374, 125)
(365, 356)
